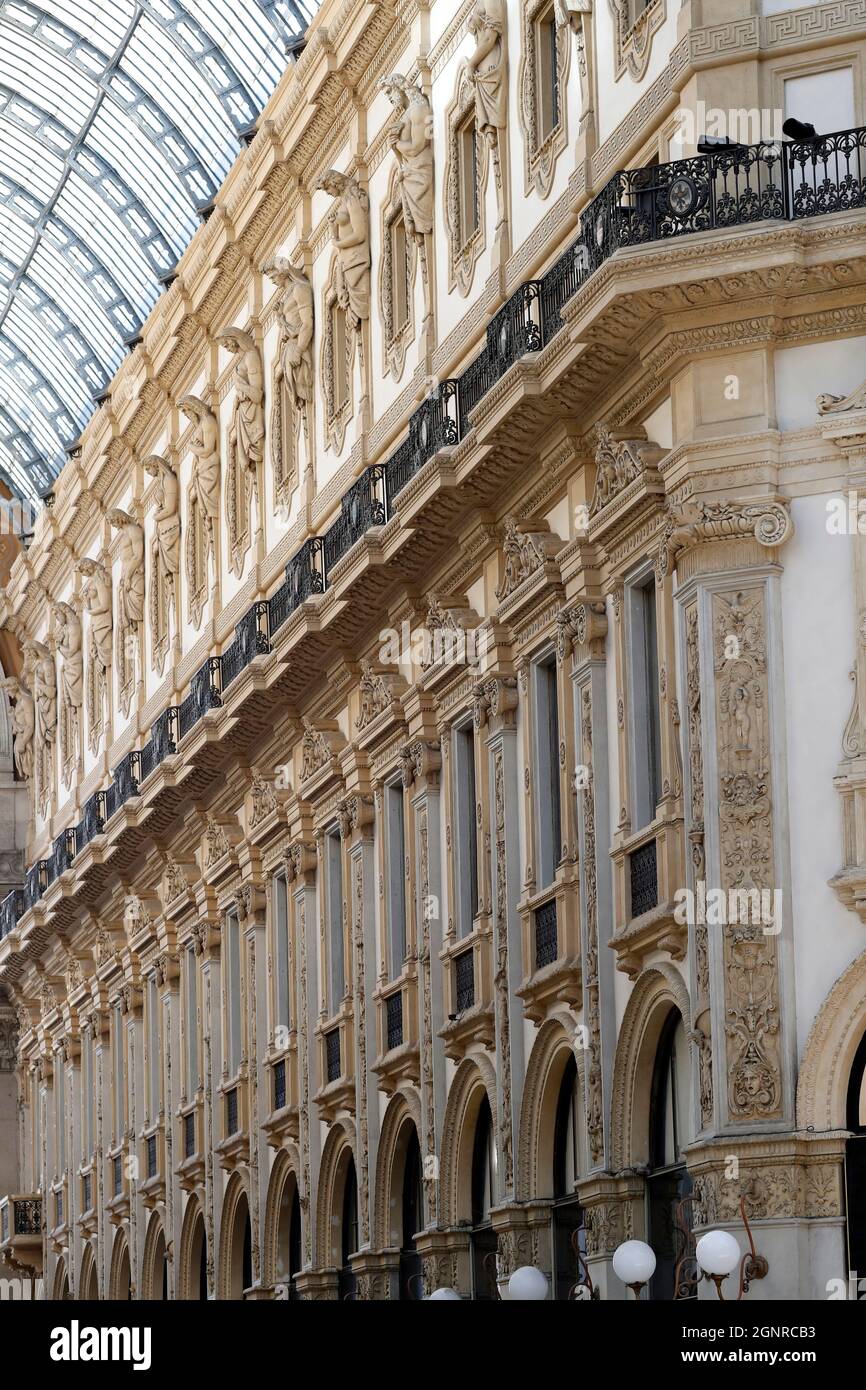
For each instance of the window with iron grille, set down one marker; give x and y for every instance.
(395, 857)
(545, 934)
(465, 829)
(86, 1192)
(232, 1111)
(189, 1134)
(548, 815)
(150, 1145)
(334, 902)
(464, 981)
(58, 1208)
(281, 951)
(117, 1165)
(279, 1085)
(643, 875)
(394, 1020)
(332, 1055)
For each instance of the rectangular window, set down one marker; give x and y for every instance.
(645, 720)
(547, 805)
(339, 348)
(334, 910)
(119, 1077)
(281, 952)
(191, 1022)
(233, 996)
(395, 858)
(464, 831)
(152, 1049)
(467, 156)
(547, 84)
(399, 275)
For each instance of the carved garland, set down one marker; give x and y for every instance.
(337, 413)
(284, 429)
(633, 34)
(396, 337)
(196, 551)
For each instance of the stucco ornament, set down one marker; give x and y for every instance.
(23, 724)
(203, 502)
(130, 599)
(69, 645)
(296, 319)
(96, 598)
(578, 15)
(167, 519)
(40, 675)
(350, 237)
(247, 431)
(411, 139)
(488, 68)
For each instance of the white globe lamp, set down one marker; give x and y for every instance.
(444, 1296)
(528, 1285)
(634, 1263)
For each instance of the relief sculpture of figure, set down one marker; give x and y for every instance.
(205, 448)
(167, 518)
(350, 235)
(23, 724)
(410, 137)
(131, 565)
(96, 596)
(295, 314)
(247, 432)
(69, 645)
(487, 64)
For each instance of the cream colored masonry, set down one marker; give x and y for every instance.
(191, 1065)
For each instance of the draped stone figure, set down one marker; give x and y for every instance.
(68, 638)
(23, 724)
(203, 502)
(130, 599)
(295, 315)
(247, 432)
(411, 139)
(40, 675)
(96, 597)
(167, 517)
(487, 66)
(350, 235)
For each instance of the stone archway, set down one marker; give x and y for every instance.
(60, 1289)
(193, 1271)
(281, 1212)
(829, 1053)
(120, 1279)
(89, 1281)
(235, 1266)
(154, 1266)
(656, 992)
(338, 1147)
(553, 1047)
(404, 1108)
(473, 1079)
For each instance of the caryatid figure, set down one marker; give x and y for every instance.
(131, 587)
(411, 139)
(247, 432)
(23, 724)
(487, 64)
(205, 449)
(39, 666)
(67, 634)
(96, 596)
(295, 313)
(167, 518)
(350, 236)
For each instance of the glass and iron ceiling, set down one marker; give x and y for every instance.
(119, 120)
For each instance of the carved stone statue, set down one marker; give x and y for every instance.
(23, 724)
(96, 596)
(487, 24)
(67, 634)
(350, 235)
(131, 564)
(411, 139)
(205, 448)
(167, 517)
(40, 676)
(247, 432)
(296, 328)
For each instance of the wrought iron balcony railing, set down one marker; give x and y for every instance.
(735, 186)
(20, 1217)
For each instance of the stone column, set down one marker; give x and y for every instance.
(207, 946)
(250, 905)
(301, 876)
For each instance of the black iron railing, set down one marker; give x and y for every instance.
(643, 878)
(279, 1085)
(735, 186)
(464, 981)
(62, 854)
(394, 1020)
(546, 944)
(333, 1061)
(11, 909)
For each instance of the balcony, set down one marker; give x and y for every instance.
(21, 1232)
(734, 187)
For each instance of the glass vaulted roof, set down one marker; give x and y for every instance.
(119, 120)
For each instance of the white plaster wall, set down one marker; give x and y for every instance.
(826, 99)
(616, 96)
(818, 625)
(803, 373)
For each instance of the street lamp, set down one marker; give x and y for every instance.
(634, 1262)
(528, 1285)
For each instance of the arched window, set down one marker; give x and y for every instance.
(483, 1197)
(855, 1161)
(413, 1218)
(289, 1236)
(668, 1181)
(567, 1215)
(349, 1231)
